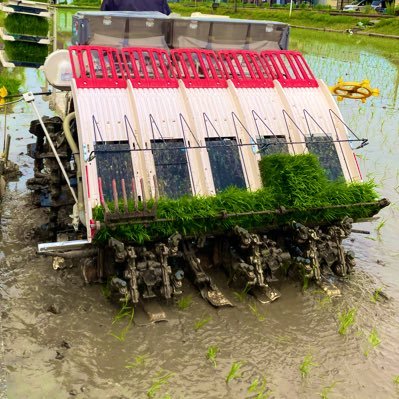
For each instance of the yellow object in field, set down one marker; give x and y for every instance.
(3, 94)
(353, 90)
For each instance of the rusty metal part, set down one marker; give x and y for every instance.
(131, 274)
(208, 289)
(74, 254)
(253, 259)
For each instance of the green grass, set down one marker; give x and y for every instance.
(10, 83)
(296, 182)
(184, 302)
(396, 380)
(26, 24)
(346, 320)
(26, 52)
(234, 371)
(306, 18)
(306, 365)
(83, 3)
(211, 354)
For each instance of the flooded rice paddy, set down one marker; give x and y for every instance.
(59, 339)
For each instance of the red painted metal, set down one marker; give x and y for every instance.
(97, 67)
(289, 68)
(245, 68)
(100, 191)
(199, 68)
(358, 167)
(93, 228)
(87, 181)
(149, 68)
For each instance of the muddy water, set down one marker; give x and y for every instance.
(73, 353)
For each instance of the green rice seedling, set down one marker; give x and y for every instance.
(26, 25)
(106, 289)
(373, 341)
(184, 302)
(256, 313)
(326, 390)
(299, 193)
(124, 312)
(376, 295)
(325, 300)
(26, 52)
(138, 361)
(396, 380)
(379, 227)
(202, 322)
(346, 319)
(306, 365)
(233, 373)
(241, 295)
(212, 353)
(157, 384)
(259, 389)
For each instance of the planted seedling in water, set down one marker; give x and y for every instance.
(376, 295)
(233, 373)
(379, 228)
(259, 388)
(184, 302)
(346, 319)
(373, 341)
(256, 313)
(157, 384)
(212, 353)
(201, 323)
(125, 312)
(106, 290)
(326, 390)
(306, 365)
(242, 294)
(138, 361)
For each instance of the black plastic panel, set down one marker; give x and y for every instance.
(225, 163)
(171, 168)
(272, 145)
(114, 161)
(324, 148)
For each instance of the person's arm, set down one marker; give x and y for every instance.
(165, 7)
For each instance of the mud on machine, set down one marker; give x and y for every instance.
(180, 146)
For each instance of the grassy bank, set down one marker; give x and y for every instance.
(301, 18)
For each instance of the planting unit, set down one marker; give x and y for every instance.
(212, 147)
